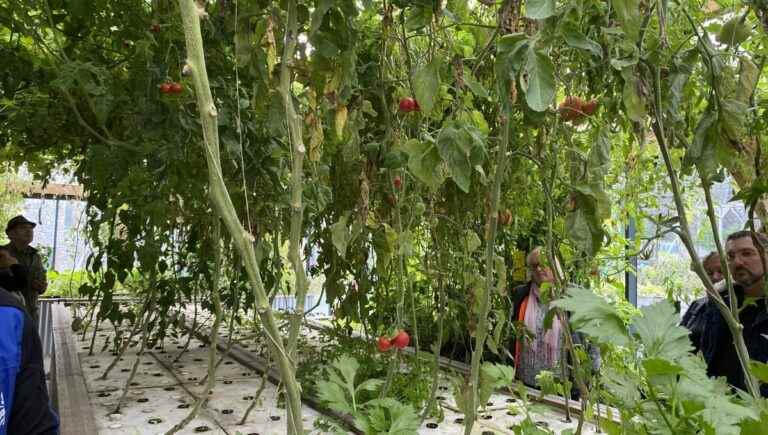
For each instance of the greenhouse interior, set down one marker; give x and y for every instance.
(253, 217)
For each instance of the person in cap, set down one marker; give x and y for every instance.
(20, 231)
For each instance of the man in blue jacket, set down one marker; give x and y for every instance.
(24, 405)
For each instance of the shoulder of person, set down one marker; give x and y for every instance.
(521, 291)
(9, 300)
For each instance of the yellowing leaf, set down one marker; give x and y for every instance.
(340, 121)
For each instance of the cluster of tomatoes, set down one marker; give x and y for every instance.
(399, 341)
(171, 88)
(576, 108)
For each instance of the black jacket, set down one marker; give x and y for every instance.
(694, 322)
(14, 278)
(26, 409)
(716, 341)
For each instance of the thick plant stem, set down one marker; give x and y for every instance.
(485, 302)
(685, 236)
(144, 337)
(439, 343)
(297, 153)
(124, 346)
(222, 204)
(214, 334)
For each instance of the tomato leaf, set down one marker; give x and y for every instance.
(576, 39)
(734, 32)
(538, 82)
(539, 9)
(424, 162)
(426, 84)
(461, 147)
(660, 333)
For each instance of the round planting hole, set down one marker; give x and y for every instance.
(179, 347)
(157, 375)
(432, 425)
(148, 363)
(183, 406)
(227, 411)
(135, 384)
(511, 413)
(489, 404)
(95, 366)
(142, 400)
(228, 363)
(227, 382)
(104, 394)
(440, 397)
(487, 417)
(247, 397)
(442, 388)
(274, 417)
(158, 347)
(198, 359)
(125, 370)
(154, 420)
(201, 346)
(459, 420)
(169, 388)
(193, 378)
(511, 400)
(542, 423)
(202, 429)
(254, 433)
(488, 432)
(246, 373)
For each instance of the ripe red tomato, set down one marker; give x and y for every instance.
(398, 183)
(589, 107)
(154, 28)
(176, 88)
(383, 344)
(408, 105)
(401, 340)
(165, 88)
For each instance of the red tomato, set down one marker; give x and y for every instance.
(398, 183)
(176, 88)
(383, 344)
(408, 105)
(155, 28)
(165, 88)
(401, 340)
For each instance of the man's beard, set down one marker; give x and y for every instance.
(747, 279)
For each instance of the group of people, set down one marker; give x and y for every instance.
(24, 403)
(709, 331)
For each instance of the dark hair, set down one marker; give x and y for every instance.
(762, 238)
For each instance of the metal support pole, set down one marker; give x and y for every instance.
(55, 234)
(630, 276)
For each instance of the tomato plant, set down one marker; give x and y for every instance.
(539, 124)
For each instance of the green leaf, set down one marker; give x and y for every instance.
(628, 14)
(418, 17)
(475, 86)
(594, 316)
(701, 151)
(734, 31)
(539, 9)
(660, 333)
(340, 235)
(424, 162)
(539, 85)
(748, 76)
(633, 104)
(471, 241)
(576, 39)
(760, 370)
(461, 147)
(369, 385)
(660, 367)
(426, 85)
(321, 8)
(733, 119)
